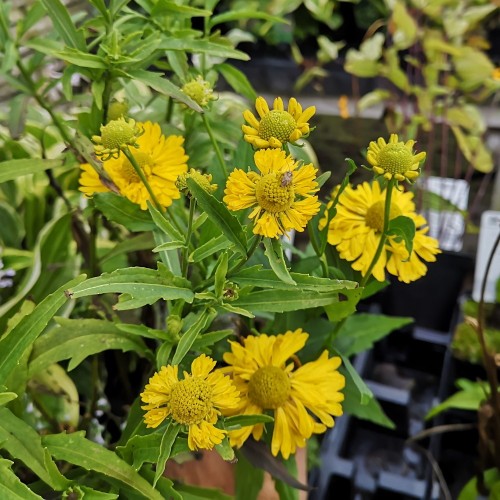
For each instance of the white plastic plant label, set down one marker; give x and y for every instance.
(488, 233)
(446, 225)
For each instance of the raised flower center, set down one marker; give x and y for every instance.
(143, 160)
(269, 387)
(375, 215)
(190, 401)
(278, 124)
(118, 133)
(395, 158)
(274, 193)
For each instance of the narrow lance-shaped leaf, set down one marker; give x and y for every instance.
(220, 215)
(30, 327)
(220, 275)
(11, 487)
(21, 441)
(167, 442)
(12, 169)
(274, 253)
(77, 450)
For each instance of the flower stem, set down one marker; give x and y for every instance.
(141, 175)
(215, 144)
(192, 206)
(383, 236)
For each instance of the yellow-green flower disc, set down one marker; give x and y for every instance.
(395, 159)
(277, 126)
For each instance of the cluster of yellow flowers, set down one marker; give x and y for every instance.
(261, 375)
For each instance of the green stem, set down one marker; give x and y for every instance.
(383, 236)
(140, 173)
(218, 153)
(192, 206)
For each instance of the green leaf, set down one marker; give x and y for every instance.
(6, 397)
(274, 253)
(220, 215)
(403, 229)
(237, 80)
(366, 409)
(77, 450)
(81, 58)
(240, 14)
(210, 248)
(76, 339)
(187, 340)
(345, 306)
(21, 441)
(119, 209)
(64, 25)
(266, 278)
(361, 331)
(203, 46)
(220, 275)
(470, 491)
(165, 7)
(161, 84)
(289, 300)
(469, 398)
(139, 242)
(405, 28)
(138, 286)
(164, 225)
(361, 389)
(11, 487)
(248, 478)
(167, 442)
(208, 339)
(169, 245)
(30, 327)
(12, 169)
(142, 449)
(239, 421)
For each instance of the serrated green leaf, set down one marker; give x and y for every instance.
(403, 229)
(164, 225)
(274, 254)
(76, 339)
(118, 209)
(220, 215)
(287, 300)
(188, 338)
(21, 441)
(64, 25)
(77, 450)
(210, 248)
(30, 327)
(265, 278)
(235, 310)
(81, 58)
(11, 487)
(12, 169)
(138, 286)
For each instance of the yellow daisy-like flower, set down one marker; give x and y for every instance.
(303, 400)
(357, 228)
(162, 159)
(196, 401)
(276, 126)
(282, 195)
(395, 159)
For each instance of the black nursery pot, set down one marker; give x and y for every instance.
(432, 299)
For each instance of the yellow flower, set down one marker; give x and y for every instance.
(282, 195)
(162, 159)
(357, 228)
(115, 136)
(496, 74)
(199, 90)
(203, 180)
(395, 159)
(303, 399)
(196, 401)
(276, 126)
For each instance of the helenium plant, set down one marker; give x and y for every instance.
(157, 305)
